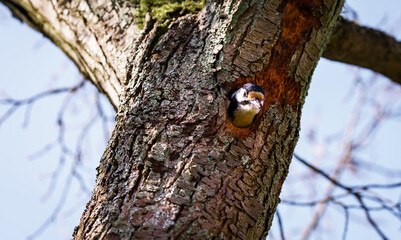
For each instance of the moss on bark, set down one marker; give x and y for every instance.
(165, 10)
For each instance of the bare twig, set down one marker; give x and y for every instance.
(66, 152)
(280, 224)
(369, 217)
(322, 173)
(15, 104)
(55, 212)
(359, 193)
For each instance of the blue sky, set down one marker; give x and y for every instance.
(29, 64)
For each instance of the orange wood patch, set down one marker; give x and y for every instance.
(277, 79)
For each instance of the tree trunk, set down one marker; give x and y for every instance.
(175, 167)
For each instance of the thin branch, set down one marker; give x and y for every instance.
(322, 173)
(11, 101)
(348, 188)
(47, 148)
(55, 212)
(54, 178)
(103, 117)
(15, 104)
(356, 192)
(369, 217)
(376, 168)
(346, 220)
(390, 185)
(313, 203)
(8, 113)
(280, 224)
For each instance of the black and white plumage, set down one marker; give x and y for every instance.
(245, 103)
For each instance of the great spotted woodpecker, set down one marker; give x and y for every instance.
(245, 103)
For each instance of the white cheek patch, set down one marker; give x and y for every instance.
(240, 95)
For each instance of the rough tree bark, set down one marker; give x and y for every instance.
(175, 167)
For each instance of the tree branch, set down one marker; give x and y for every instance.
(96, 36)
(365, 47)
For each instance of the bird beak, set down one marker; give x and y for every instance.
(258, 104)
